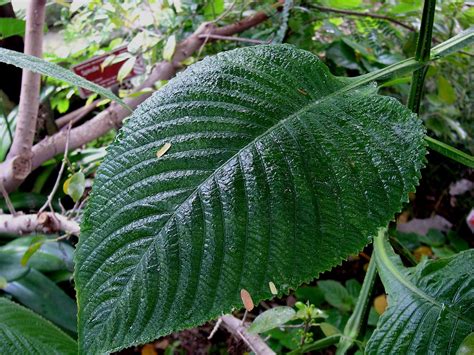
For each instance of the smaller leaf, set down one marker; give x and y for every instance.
(30, 251)
(24, 332)
(162, 151)
(107, 61)
(11, 27)
(75, 186)
(126, 68)
(136, 43)
(246, 300)
(169, 48)
(433, 238)
(446, 92)
(271, 318)
(467, 346)
(3, 282)
(336, 295)
(343, 4)
(328, 329)
(40, 294)
(213, 8)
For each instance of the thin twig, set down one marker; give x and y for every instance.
(214, 330)
(9, 203)
(364, 14)
(56, 184)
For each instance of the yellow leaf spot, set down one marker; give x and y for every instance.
(380, 304)
(149, 349)
(162, 151)
(246, 299)
(273, 288)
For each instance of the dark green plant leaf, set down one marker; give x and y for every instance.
(43, 67)
(24, 332)
(336, 295)
(271, 318)
(43, 296)
(272, 161)
(429, 306)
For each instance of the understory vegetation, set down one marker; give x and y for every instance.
(212, 177)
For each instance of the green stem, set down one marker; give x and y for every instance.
(448, 47)
(317, 345)
(450, 152)
(422, 55)
(354, 324)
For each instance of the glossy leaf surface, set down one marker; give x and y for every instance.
(430, 306)
(276, 172)
(24, 332)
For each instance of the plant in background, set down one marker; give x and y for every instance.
(257, 166)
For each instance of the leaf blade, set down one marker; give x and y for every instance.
(43, 67)
(435, 295)
(23, 331)
(241, 125)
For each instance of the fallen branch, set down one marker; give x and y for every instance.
(253, 341)
(44, 222)
(113, 116)
(20, 153)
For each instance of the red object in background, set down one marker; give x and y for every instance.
(92, 71)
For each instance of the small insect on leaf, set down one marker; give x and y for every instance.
(246, 299)
(302, 92)
(162, 151)
(273, 288)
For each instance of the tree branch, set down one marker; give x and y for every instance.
(20, 153)
(114, 114)
(45, 222)
(364, 14)
(253, 341)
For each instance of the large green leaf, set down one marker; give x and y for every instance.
(43, 67)
(430, 306)
(276, 172)
(24, 332)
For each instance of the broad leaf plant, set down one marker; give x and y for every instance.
(274, 171)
